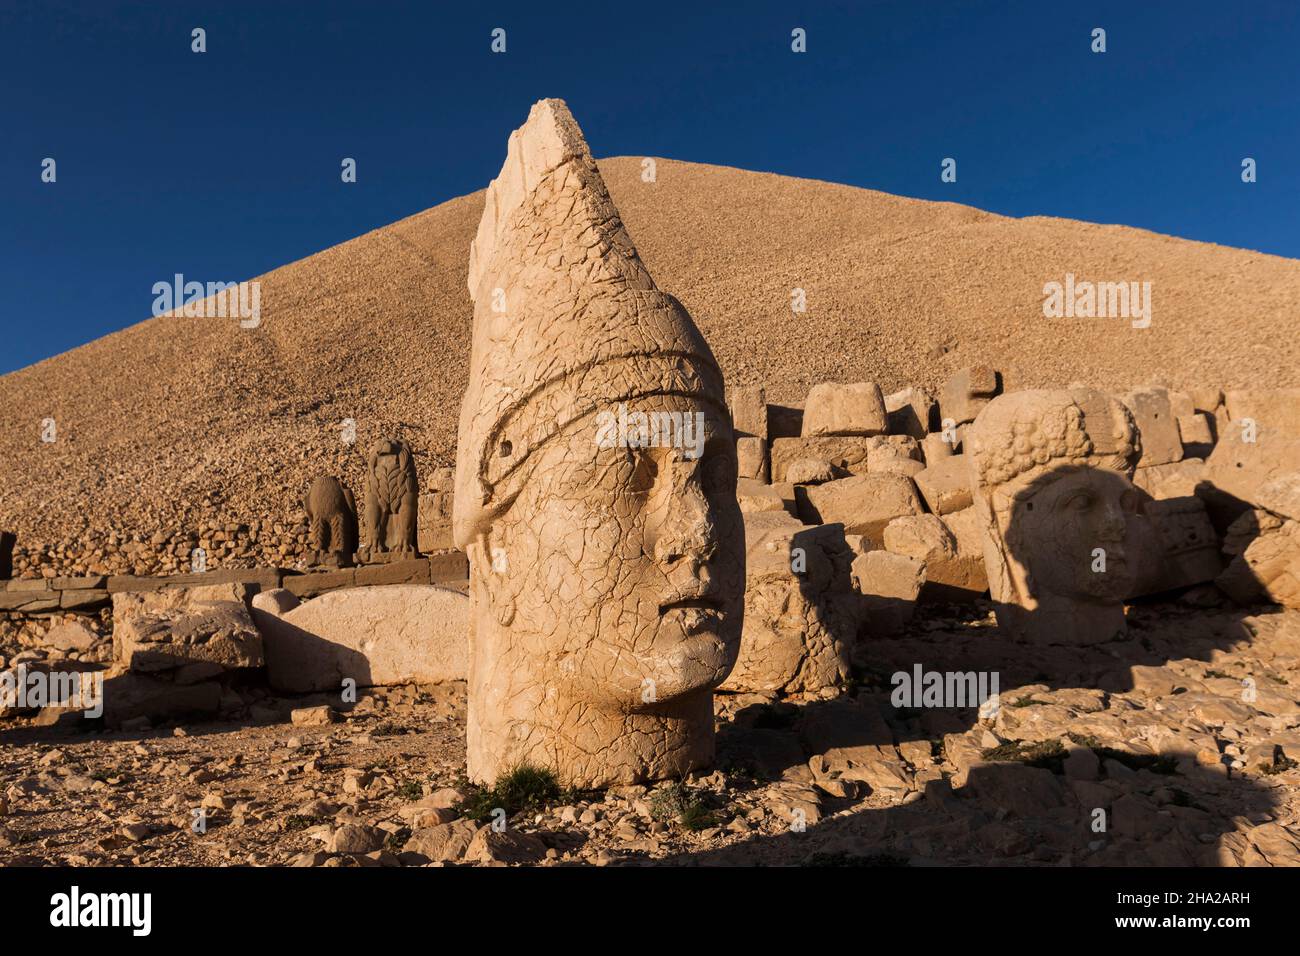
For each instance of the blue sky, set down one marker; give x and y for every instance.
(226, 164)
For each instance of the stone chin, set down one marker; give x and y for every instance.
(699, 649)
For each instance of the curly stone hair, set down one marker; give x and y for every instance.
(1026, 431)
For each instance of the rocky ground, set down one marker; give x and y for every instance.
(1178, 745)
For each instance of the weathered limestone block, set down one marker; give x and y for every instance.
(935, 448)
(756, 496)
(171, 629)
(945, 485)
(923, 537)
(1178, 479)
(405, 571)
(1281, 496)
(894, 455)
(607, 581)
(392, 495)
(70, 636)
(1156, 423)
(1245, 458)
(82, 600)
(864, 504)
(911, 411)
(376, 636)
(433, 516)
(331, 522)
(748, 405)
(751, 458)
(1276, 410)
(847, 453)
(890, 585)
(311, 585)
(963, 578)
(1268, 570)
(29, 602)
(1207, 400)
(835, 409)
(1183, 547)
(1266, 542)
(799, 621)
(1196, 432)
(966, 393)
(1051, 472)
(810, 471)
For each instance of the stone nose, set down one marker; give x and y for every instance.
(1114, 523)
(688, 529)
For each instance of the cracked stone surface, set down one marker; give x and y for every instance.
(607, 576)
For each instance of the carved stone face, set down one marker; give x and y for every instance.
(1055, 534)
(623, 566)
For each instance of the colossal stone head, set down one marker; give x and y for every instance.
(1051, 476)
(595, 487)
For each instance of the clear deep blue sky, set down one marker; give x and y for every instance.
(224, 165)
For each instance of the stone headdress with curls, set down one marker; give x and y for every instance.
(1023, 441)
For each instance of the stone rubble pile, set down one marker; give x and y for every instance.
(884, 484)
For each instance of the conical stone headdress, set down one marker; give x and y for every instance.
(567, 320)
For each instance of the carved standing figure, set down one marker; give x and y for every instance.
(1051, 476)
(331, 521)
(392, 492)
(606, 570)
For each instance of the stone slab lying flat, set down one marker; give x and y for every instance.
(377, 636)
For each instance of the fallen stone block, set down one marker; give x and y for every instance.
(754, 496)
(935, 448)
(749, 413)
(377, 636)
(167, 630)
(811, 471)
(70, 636)
(1178, 479)
(1179, 546)
(911, 411)
(751, 458)
(890, 585)
(799, 620)
(405, 571)
(966, 393)
(1275, 410)
(835, 409)
(1244, 459)
(945, 485)
(894, 455)
(319, 582)
(1157, 424)
(863, 504)
(846, 453)
(1266, 542)
(319, 716)
(1196, 432)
